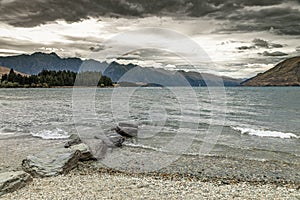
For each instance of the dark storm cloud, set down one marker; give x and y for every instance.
(97, 48)
(274, 45)
(280, 20)
(276, 53)
(90, 39)
(272, 14)
(265, 44)
(35, 12)
(260, 43)
(11, 43)
(245, 48)
(30, 46)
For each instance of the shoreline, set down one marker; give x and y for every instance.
(57, 87)
(204, 168)
(206, 177)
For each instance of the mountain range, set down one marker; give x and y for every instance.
(36, 62)
(286, 73)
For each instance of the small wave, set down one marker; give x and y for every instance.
(150, 148)
(14, 98)
(265, 133)
(143, 147)
(51, 134)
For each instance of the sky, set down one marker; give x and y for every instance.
(240, 37)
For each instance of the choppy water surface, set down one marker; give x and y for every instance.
(260, 123)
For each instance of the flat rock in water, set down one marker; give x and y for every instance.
(111, 139)
(12, 181)
(51, 162)
(127, 129)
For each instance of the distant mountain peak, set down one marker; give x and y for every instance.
(36, 62)
(52, 54)
(286, 73)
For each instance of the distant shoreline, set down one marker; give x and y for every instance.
(70, 87)
(58, 87)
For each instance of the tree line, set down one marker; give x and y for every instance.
(48, 78)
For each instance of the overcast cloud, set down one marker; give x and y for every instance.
(242, 37)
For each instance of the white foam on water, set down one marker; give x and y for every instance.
(6, 131)
(265, 133)
(143, 147)
(52, 134)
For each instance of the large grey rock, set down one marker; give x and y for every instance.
(12, 181)
(51, 162)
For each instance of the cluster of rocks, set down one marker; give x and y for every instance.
(63, 158)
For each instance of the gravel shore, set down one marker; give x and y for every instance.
(82, 184)
(88, 181)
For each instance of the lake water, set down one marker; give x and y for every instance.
(251, 123)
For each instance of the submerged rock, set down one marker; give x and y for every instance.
(116, 139)
(126, 124)
(97, 147)
(51, 162)
(12, 181)
(112, 139)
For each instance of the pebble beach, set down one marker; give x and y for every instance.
(97, 185)
(89, 181)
